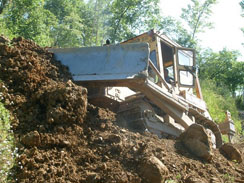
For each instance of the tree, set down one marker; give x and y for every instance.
(31, 22)
(194, 20)
(75, 25)
(224, 69)
(129, 17)
(67, 30)
(242, 6)
(3, 4)
(176, 31)
(196, 16)
(242, 14)
(3, 26)
(100, 15)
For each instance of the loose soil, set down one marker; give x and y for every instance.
(62, 138)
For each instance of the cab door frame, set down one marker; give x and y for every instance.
(189, 70)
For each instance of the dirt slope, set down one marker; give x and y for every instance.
(62, 138)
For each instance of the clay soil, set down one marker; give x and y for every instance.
(62, 138)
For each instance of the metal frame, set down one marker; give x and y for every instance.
(182, 67)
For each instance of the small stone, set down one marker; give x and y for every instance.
(192, 179)
(103, 126)
(104, 166)
(92, 177)
(100, 139)
(106, 158)
(42, 128)
(114, 138)
(134, 149)
(65, 143)
(50, 120)
(230, 152)
(214, 180)
(31, 139)
(153, 170)
(123, 130)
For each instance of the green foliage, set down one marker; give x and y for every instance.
(228, 178)
(6, 146)
(242, 13)
(196, 16)
(225, 138)
(3, 25)
(131, 16)
(195, 20)
(223, 68)
(240, 102)
(29, 19)
(218, 104)
(4, 30)
(178, 176)
(242, 5)
(69, 33)
(99, 17)
(73, 26)
(72, 23)
(3, 4)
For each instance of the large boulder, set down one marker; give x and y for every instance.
(153, 170)
(197, 141)
(230, 152)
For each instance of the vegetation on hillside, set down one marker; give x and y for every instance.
(218, 103)
(7, 149)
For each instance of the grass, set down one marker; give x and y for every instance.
(178, 179)
(218, 103)
(7, 147)
(228, 178)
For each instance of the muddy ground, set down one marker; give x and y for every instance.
(62, 138)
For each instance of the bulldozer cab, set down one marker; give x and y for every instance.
(171, 60)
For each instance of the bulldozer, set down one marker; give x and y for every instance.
(150, 81)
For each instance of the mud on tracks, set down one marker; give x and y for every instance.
(63, 138)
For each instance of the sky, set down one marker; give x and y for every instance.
(227, 23)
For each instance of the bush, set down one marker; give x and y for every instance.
(218, 101)
(6, 146)
(240, 102)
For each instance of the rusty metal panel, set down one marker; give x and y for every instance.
(227, 127)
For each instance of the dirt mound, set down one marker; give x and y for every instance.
(62, 138)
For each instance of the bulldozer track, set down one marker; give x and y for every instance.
(207, 123)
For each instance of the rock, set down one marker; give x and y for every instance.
(65, 143)
(230, 152)
(104, 166)
(191, 179)
(92, 177)
(215, 180)
(113, 138)
(31, 139)
(197, 141)
(102, 125)
(153, 170)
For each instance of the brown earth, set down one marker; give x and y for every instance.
(62, 138)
